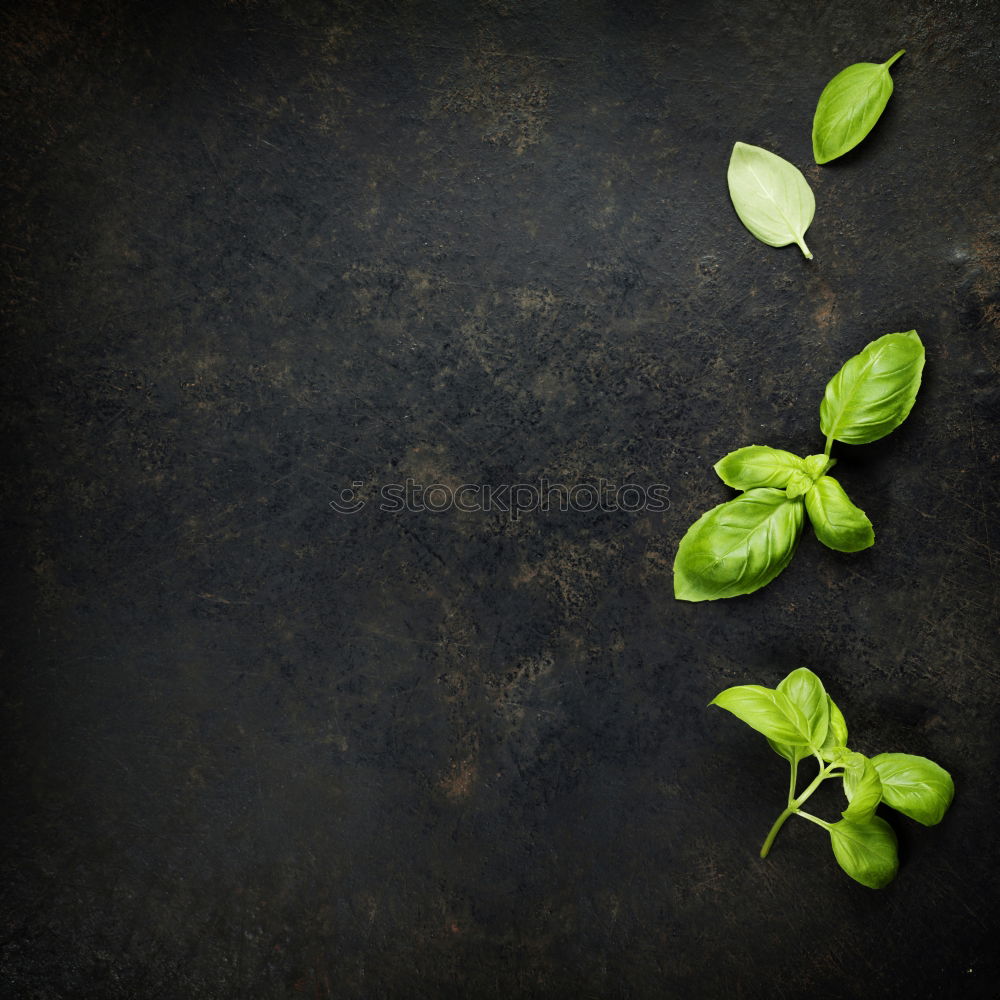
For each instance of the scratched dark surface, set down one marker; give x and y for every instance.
(256, 252)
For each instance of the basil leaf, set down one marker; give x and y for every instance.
(757, 465)
(768, 711)
(873, 392)
(837, 522)
(862, 788)
(816, 465)
(866, 850)
(737, 547)
(915, 786)
(834, 754)
(770, 196)
(805, 690)
(850, 105)
(837, 733)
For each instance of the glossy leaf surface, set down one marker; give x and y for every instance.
(737, 547)
(915, 786)
(874, 391)
(768, 711)
(757, 465)
(850, 105)
(866, 850)
(837, 522)
(805, 690)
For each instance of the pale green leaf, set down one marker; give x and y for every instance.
(768, 711)
(805, 690)
(770, 196)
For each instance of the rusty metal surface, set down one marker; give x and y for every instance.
(257, 252)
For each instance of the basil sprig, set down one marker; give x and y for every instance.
(743, 544)
(850, 105)
(801, 720)
(770, 196)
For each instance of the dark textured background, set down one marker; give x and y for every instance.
(258, 251)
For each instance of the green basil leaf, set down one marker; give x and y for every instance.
(804, 689)
(915, 786)
(850, 105)
(866, 850)
(770, 196)
(837, 522)
(874, 391)
(757, 465)
(816, 465)
(834, 754)
(768, 711)
(737, 547)
(837, 734)
(862, 788)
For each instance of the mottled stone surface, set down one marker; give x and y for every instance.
(256, 252)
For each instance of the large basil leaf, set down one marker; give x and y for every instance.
(849, 107)
(757, 465)
(737, 547)
(862, 788)
(770, 196)
(874, 391)
(805, 690)
(915, 786)
(837, 522)
(866, 850)
(768, 711)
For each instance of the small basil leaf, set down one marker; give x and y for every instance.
(837, 522)
(770, 196)
(737, 547)
(837, 734)
(792, 754)
(758, 465)
(850, 105)
(816, 465)
(834, 754)
(866, 850)
(915, 786)
(862, 788)
(799, 484)
(804, 689)
(873, 392)
(768, 711)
